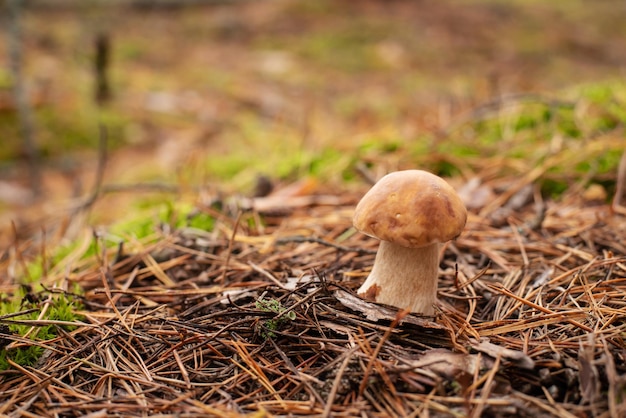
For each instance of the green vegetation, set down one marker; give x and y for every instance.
(148, 220)
(282, 317)
(350, 109)
(32, 298)
(55, 307)
(569, 130)
(571, 136)
(61, 130)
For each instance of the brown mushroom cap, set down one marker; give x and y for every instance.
(411, 208)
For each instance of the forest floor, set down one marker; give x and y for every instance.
(206, 263)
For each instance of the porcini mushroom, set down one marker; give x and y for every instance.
(412, 212)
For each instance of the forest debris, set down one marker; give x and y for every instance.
(594, 193)
(448, 364)
(375, 312)
(518, 358)
(14, 194)
(589, 380)
(283, 205)
(303, 187)
(294, 282)
(516, 201)
(476, 194)
(430, 332)
(372, 311)
(233, 295)
(161, 342)
(164, 300)
(283, 200)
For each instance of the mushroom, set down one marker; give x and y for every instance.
(412, 212)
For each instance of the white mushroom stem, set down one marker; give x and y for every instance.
(404, 277)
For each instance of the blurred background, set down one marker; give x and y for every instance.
(191, 97)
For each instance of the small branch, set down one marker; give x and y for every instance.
(300, 239)
(366, 173)
(620, 185)
(139, 187)
(102, 159)
(230, 248)
(101, 67)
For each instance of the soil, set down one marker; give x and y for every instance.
(257, 315)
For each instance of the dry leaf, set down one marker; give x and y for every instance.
(447, 364)
(588, 379)
(518, 358)
(476, 195)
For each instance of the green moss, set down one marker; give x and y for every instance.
(445, 169)
(598, 93)
(201, 221)
(606, 162)
(381, 143)
(78, 129)
(252, 224)
(553, 188)
(147, 223)
(526, 121)
(139, 227)
(62, 307)
(228, 166)
(319, 163)
(62, 130)
(460, 149)
(488, 132)
(270, 325)
(569, 128)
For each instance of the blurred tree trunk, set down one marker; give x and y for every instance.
(15, 49)
(101, 67)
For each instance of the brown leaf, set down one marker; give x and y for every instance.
(475, 194)
(447, 364)
(519, 358)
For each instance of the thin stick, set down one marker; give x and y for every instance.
(229, 251)
(620, 187)
(320, 241)
(183, 370)
(100, 169)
